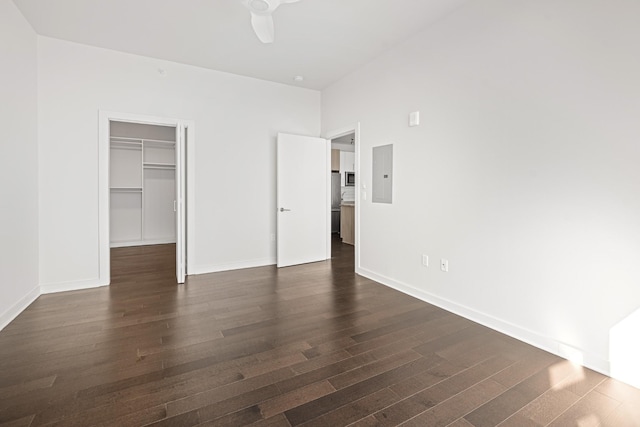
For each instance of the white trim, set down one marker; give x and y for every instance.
(17, 308)
(328, 203)
(543, 342)
(104, 274)
(190, 161)
(52, 288)
(215, 268)
(336, 133)
(179, 208)
(104, 199)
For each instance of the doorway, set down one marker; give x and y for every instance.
(346, 160)
(142, 180)
(142, 199)
(142, 184)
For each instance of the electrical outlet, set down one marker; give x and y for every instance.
(273, 237)
(444, 265)
(425, 260)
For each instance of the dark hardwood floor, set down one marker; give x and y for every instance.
(312, 345)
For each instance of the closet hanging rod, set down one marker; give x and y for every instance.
(126, 146)
(126, 189)
(141, 140)
(125, 140)
(158, 166)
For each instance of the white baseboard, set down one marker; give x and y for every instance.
(13, 312)
(214, 268)
(530, 337)
(51, 288)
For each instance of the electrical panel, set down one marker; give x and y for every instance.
(382, 188)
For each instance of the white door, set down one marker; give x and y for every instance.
(181, 141)
(303, 199)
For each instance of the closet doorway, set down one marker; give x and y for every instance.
(143, 176)
(142, 184)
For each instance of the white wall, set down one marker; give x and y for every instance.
(523, 173)
(137, 130)
(19, 171)
(236, 118)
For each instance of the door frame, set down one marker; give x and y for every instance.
(336, 133)
(187, 174)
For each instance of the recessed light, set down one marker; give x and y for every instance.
(298, 78)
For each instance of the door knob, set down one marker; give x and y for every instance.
(285, 210)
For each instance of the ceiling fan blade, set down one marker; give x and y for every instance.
(263, 26)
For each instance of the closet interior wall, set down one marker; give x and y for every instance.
(142, 184)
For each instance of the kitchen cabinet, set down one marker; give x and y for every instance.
(347, 223)
(335, 160)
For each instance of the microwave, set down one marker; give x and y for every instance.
(349, 179)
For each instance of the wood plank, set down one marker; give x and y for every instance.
(314, 344)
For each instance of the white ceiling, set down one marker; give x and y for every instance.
(322, 40)
(344, 143)
(345, 139)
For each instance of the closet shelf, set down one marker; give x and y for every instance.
(126, 145)
(159, 143)
(148, 165)
(141, 140)
(126, 189)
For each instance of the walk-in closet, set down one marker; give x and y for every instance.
(142, 181)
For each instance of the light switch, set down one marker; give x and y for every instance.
(414, 118)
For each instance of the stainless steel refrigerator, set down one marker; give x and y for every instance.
(336, 199)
